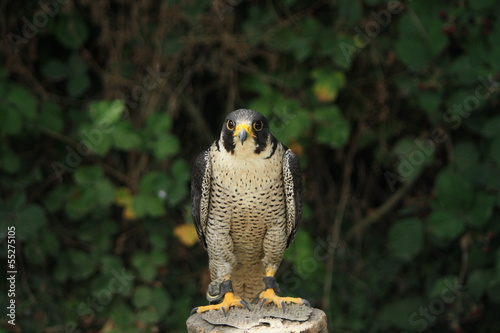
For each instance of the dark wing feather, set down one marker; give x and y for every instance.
(292, 178)
(200, 193)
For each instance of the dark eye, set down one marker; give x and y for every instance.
(258, 125)
(230, 125)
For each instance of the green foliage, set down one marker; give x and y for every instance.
(406, 238)
(390, 106)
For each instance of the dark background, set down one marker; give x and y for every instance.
(391, 106)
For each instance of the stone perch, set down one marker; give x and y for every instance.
(295, 319)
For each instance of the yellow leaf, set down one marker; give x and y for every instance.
(324, 92)
(129, 213)
(123, 196)
(186, 233)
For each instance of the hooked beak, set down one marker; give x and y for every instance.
(242, 132)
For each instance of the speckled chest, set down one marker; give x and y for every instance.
(248, 182)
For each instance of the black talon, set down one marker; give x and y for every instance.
(193, 311)
(224, 311)
(245, 304)
(262, 303)
(283, 305)
(306, 302)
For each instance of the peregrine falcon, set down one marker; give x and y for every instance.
(246, 206)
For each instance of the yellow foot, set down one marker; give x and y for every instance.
(269, 296)
(230, 300)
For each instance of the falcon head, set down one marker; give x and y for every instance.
(245, 132)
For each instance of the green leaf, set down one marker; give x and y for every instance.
(453, 191)
(153, 182)
(430, 101)
(83, 265)
(80, 203)
(177, 188)
(343, 50)
(158, 123)
(158, 258)
(77, 85)
(55, 70)
(478, 282)
(72, 32)
(104, 190)
(397, 313)
(148, 316)
(491, 127)
(444, 284)
(289, 122)
(333, 128)
(158, 138)
(406, 238)
(122, 314)
(142, 296)
(350, 11)
(413, 155)
(464, 70)
(54, 200)
(145, 204)
(124, 136)
(95, 138)
(481, 211)
(158, 241)
(88, 175)
(77, 65)
(50, 242)
(148, 272)
(9, 161)
(17, 201)
(181, 170)
(411, 47)
(445, 225)
(165, 145)
(106, 112)
(10, 121)
(479, 5)
(139, 259)
(22, 100)
(161, 301)
(421, 37)
(109, 264)
(29, 221)
(466, 158)
(50, 117)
